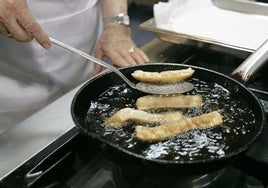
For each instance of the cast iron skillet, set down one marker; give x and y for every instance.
(196, 150)
(92, 104)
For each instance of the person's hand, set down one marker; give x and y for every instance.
(17, 22)
(116, 44)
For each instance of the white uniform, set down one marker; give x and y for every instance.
(32, 77)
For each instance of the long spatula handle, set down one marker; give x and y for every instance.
(93, 59)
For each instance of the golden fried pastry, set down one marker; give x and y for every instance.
(173, 128)
(128, 114)
(164, 76)
(169, 101)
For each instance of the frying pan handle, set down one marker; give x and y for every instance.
(252, 64)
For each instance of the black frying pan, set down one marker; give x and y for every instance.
(96, 100)
(196, 150)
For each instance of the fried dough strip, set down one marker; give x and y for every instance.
(173, 128)
(164, 76)
(168, 101)
(129, 114)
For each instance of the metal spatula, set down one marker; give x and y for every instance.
(170, 88)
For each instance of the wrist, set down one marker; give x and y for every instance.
(117, 28)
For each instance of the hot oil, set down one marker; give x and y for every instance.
(198, 144)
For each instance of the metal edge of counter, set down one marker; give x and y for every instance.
(35, 133)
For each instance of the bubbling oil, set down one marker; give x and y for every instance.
(197, 144)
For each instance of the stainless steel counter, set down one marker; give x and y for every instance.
(35, 133)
